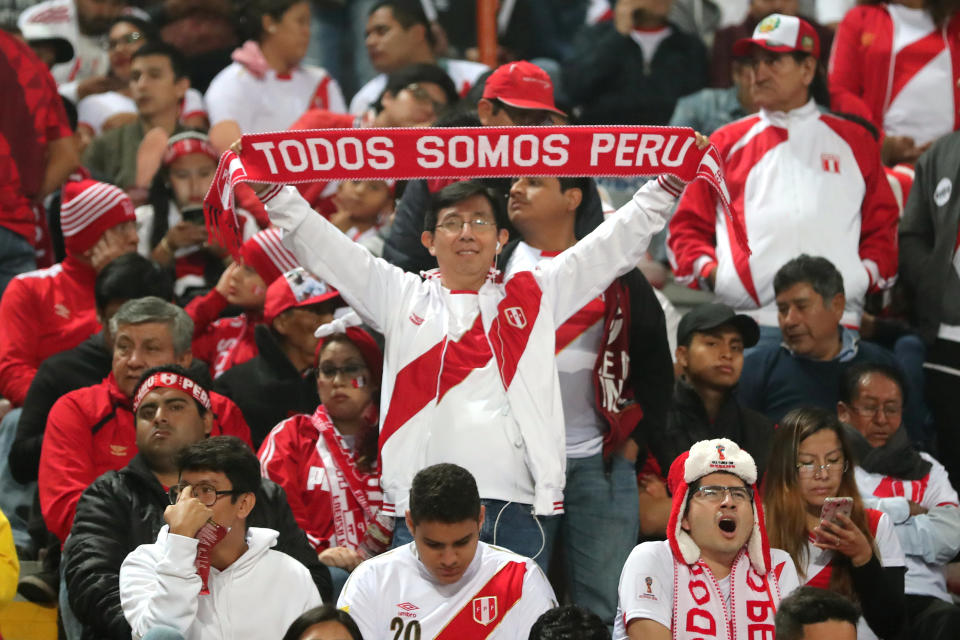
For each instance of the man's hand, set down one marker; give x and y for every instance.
(223, 284)
(652, 486)
(185, 234)
(916, 509)
(111, 245)
(98, 84)
(897, 149)
(712, 278)
(258, 187)
(342, 557)
(187, 516)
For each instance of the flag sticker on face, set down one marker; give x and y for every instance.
(359, 382)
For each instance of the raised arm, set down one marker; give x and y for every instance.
(371, 286)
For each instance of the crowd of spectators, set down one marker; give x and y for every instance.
(544, 407)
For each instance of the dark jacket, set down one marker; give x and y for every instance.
(651, 368)
(928, 233)
(267, 388)
(687, 424)
(608, 79)
(404, 249)
(85, 365)
(124, 509)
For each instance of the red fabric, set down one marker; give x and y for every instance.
(864, 40)
(290, 458)
(297, 157)
(220, 342)
(91, 431)
(42, 313)
(314, 192)
(31, 116)
(481, 615)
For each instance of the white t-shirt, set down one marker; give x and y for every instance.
(579, 340)
(646, 585)
(93, 111)
(463, 73)
(273, 102)
(394, 592)
(649, 42)
(923, 106)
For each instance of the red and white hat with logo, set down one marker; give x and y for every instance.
(704, 458)
(781, 33)
(523, 85)
(90, 208)
(296, 288)
(264, 251)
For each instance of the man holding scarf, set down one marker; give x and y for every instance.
(715, 576)
(910, 487)
(469, 370)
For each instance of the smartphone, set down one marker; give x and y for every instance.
(193, 213)
(832, 507)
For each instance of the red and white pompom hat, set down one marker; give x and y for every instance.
(704, 458)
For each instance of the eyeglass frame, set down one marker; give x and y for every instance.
(420, 94)
(476, 224)
(178, 489)
(338, 370)
(871, 415)
(817, 468)
(129, 38)
(724, 491)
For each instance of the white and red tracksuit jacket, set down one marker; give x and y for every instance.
(91, 431)
(867, 76)
(221, 342)
(439, 350)
(803, 182)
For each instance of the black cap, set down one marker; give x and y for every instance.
(713, 315)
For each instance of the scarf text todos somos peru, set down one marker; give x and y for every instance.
(296, 157)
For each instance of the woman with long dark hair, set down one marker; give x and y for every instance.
(338, 506)
(859, 555)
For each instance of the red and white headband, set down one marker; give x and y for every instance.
(186, 143)
(170, 380)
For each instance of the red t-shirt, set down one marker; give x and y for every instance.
(31, 116)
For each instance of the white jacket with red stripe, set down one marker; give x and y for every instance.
(803, 182)
(519, 321)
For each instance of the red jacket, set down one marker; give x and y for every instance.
(42, 313)
(861, 63)
(290, 457)
(221, 342)
(91, 431)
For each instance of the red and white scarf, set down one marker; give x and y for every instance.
(297, 157)
(350, 517)
(699, 609)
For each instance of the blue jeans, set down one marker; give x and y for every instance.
(910, 354)
(599, 529)
(72, 627)
(16, 256)
(510, 525)
(16, 500)
(338, 43)
(338, 578)
(163, 633)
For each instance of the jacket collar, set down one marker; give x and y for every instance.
(787, 119)
(118, 397)
(138, 468)
(79, 271)
(271, 352)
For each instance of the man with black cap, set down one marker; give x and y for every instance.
(710, 343)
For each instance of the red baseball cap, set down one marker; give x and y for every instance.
(523, 85)
(781, 33)
(294, 289)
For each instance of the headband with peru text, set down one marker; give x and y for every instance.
(172, 381)
(298, 157)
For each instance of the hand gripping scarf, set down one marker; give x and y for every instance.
(297, 157)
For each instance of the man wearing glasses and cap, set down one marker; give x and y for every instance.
(124, 509)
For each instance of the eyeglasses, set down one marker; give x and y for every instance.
(207, 494)
(420, 94)
(350, 370)
(890, 412)
(455, 224)
(130, 38)
(809, 469)
(716, 494)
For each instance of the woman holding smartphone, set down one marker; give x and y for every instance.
(857, 555)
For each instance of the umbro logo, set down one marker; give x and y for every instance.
(407, 610)
(61, 311)
(415, 319)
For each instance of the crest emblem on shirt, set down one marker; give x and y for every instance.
(485, 610)
(61, 311)
(830, 163)
(515, 317)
